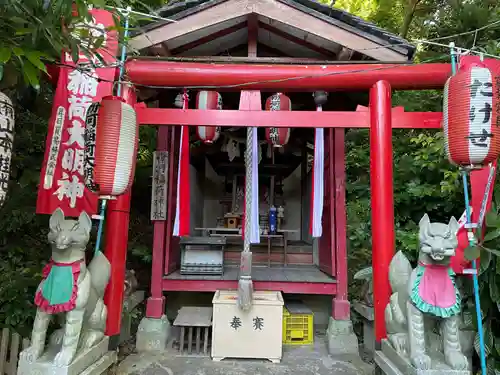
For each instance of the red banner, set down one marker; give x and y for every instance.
(62, 176)
(479, 182)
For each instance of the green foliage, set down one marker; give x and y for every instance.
(23, 233)
(34, 32)
(424, 182)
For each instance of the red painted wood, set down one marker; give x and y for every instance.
(115, 249)
(155, 305)
(171, 242)
(208, 38)
(382, 200)
(294, 39)
(285, 77)
(331, 199)
(341, 306)
(292, 119)
(283, 286)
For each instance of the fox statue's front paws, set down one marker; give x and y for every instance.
(64, 357)
(57, 337)
(421, 362)
(399, 342)
(32, 353)
(456, 360)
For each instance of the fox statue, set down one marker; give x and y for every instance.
(424, 294)
(71, 291)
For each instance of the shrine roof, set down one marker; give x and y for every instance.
(382, 39)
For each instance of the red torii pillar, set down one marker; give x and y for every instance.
(115, 249)
(382, 200)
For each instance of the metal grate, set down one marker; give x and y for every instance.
(194, 325)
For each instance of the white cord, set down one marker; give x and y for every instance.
(433, 39)
(467, 32)
(459, 49)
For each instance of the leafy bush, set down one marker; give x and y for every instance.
(424, 182)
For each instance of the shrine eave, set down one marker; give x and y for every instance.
(306, 21)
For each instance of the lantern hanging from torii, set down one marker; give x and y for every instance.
(208, 100)
(471, 116)
(111, 142)
(278, 137)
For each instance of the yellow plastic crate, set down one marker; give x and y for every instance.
(297, 328)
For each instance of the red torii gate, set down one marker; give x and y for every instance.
(380, 79)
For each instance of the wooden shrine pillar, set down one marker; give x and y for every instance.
(382, 200)
(155, 305)
(172, 243)
(341, 308)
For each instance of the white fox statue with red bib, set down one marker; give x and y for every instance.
(423, 297)
(73, 292)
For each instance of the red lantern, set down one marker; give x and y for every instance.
(471, 116)
(278, 137)
(208, 100)
(111, 141)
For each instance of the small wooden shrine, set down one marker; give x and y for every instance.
(215, 49)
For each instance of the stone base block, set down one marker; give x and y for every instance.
(392, 363)
(341, 338)
(102, 365)
(129, 305)
(153, 334)
(84, 363)
(367, 316)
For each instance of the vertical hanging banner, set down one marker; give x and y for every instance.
(62, 178)
(318, 184)
(183, 200)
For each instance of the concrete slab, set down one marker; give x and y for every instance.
(299, 360)
(394, 364)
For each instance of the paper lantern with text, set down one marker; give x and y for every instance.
(111, 141)
(208, 100)
(471, 116)
(278, 137)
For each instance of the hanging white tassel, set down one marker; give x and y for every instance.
(316, 229)
(318, 183)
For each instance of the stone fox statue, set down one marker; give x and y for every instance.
(70, 290)
(428, 291)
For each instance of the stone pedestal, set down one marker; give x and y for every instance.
(391, 363)
(153, 334)
(93, 361)
(129, 305)
(368, 317)
(341, 339)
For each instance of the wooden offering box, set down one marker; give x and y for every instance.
(252, 334)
